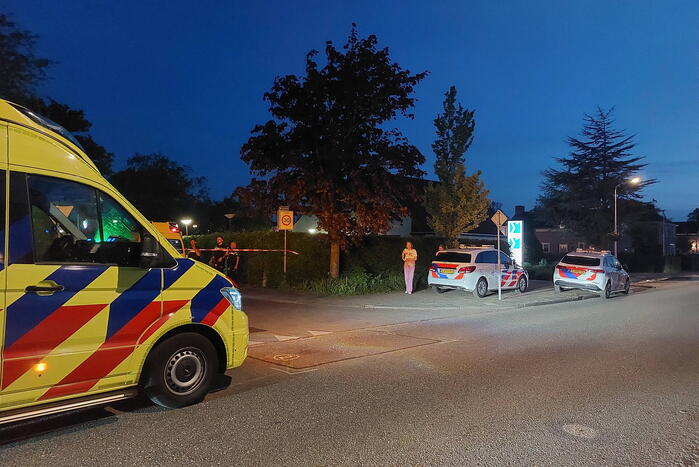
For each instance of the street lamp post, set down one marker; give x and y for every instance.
(633, 181)
(186, 223)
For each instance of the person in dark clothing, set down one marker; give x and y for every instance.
(232, 262)
(218, 255)
(194, 251)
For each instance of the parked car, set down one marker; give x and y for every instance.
(474, 269)
(597, 271)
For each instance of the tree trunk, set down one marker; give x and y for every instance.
(334, 259)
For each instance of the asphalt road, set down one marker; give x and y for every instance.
(589, 382)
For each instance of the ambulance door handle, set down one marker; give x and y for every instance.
(45, 288)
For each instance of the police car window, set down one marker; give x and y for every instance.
(504, 259)
(580, 260)
(453, 256)
(65, 225)
(489, 257)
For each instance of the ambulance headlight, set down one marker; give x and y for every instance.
(233, 296)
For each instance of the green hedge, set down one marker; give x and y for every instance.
(370, 266)
(265, 268)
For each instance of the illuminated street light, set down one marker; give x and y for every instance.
(186, 223)
(633, 181)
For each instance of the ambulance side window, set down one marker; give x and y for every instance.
(122, 234)
(65, 225)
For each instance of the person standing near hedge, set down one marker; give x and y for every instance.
(232, 262)
(194, 251)
(218, 254)
(409, 257)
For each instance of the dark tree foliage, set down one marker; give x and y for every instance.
(20, 69)
(693, 216)
(102, 158)
(160, 188)
(581, 194)
(327, 151)
(21, 72)
(454, 130)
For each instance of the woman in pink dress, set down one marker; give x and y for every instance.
(409, 257)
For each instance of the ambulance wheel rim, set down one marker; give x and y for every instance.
(185, 371)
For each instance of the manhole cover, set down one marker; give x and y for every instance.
(286, 357)
(580, 431)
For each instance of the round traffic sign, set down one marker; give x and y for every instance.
(286, 219)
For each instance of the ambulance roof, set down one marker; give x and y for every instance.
(18, 115)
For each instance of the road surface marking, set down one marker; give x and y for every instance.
(285, 338)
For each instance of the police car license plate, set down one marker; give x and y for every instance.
(447, 271)
(577, 271)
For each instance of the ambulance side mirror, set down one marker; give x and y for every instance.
(153, 255)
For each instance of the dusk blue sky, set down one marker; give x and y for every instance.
(186, 78)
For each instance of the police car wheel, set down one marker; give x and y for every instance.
(607, 290)
(627, 286)
(557, 289)
(180, 370)
(481, 289)
(522, 284)
(438, 289)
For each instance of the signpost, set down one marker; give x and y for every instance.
(285, 221)
(515, 238)
(499, 219)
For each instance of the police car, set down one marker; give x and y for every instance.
(475, 269)
(597, 271)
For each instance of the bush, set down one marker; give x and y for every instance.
(355, 283)
(541, 271)
(266, 268)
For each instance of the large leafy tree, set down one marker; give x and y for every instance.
(21, 71)
(328, 151)
(580, 195)
(161, 189)
(458, 202)
(458, 205)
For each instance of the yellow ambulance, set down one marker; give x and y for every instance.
(95, 304)
(172, 233)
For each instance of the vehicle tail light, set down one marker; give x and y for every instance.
(467, 269)
(598, 271)
(433, 267)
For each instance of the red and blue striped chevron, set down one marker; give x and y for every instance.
(30, 309)
(209, 300)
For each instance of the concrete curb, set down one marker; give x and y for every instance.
(554, 302)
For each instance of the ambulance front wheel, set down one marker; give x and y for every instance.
(180, 370)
